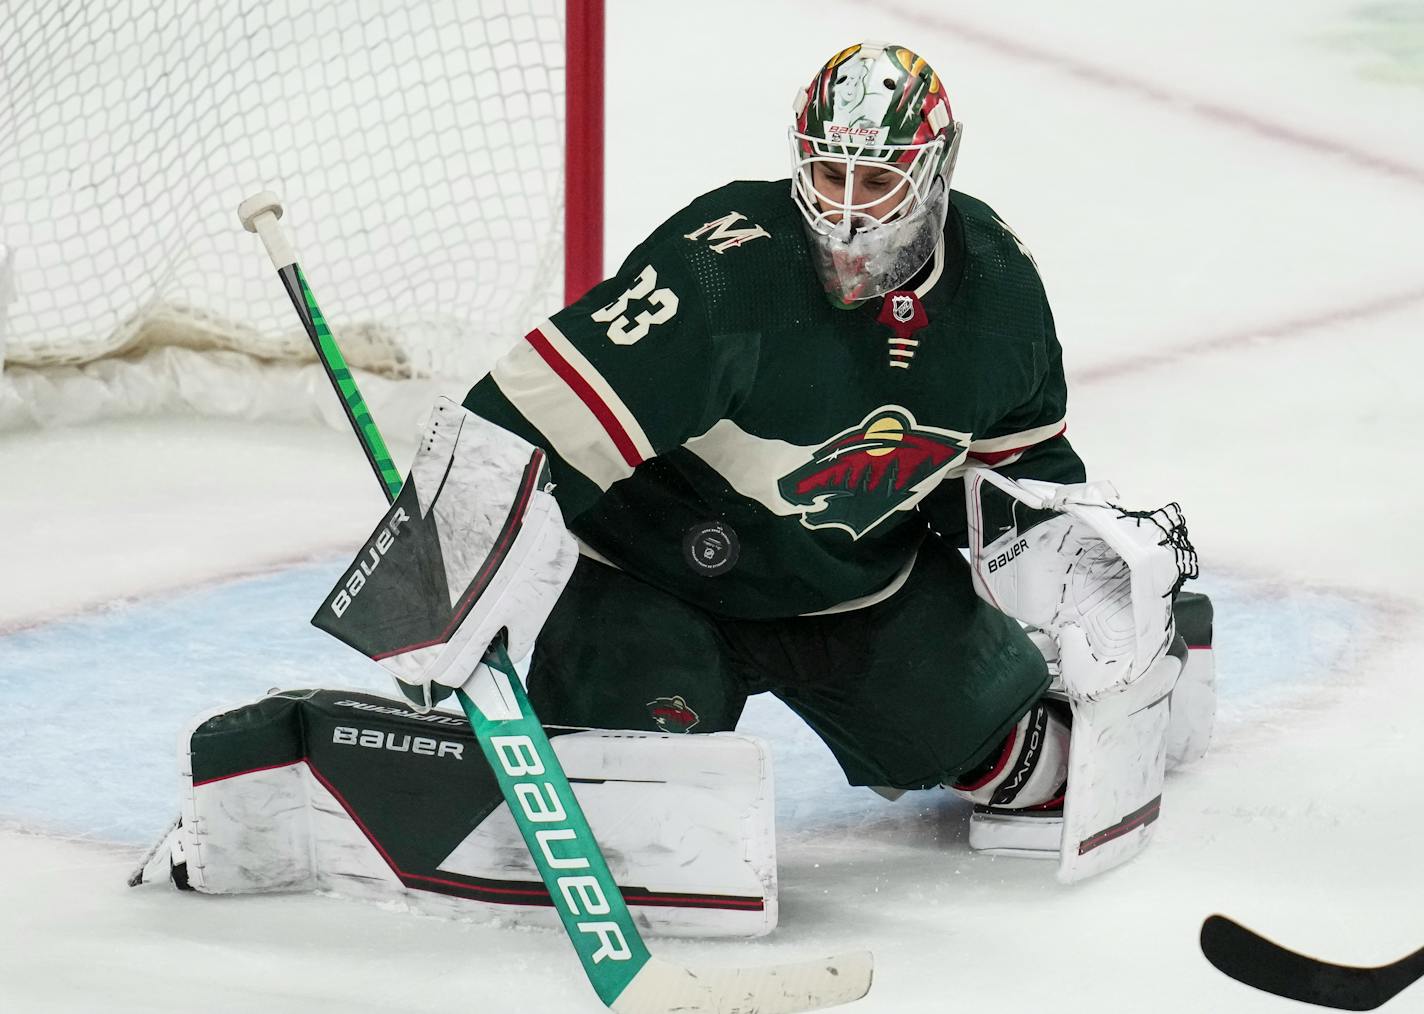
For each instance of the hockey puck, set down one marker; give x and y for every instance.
(711, 548)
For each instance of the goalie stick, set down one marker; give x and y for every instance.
(626, 977)
(1265, 965)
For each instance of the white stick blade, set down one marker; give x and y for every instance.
(661, 987)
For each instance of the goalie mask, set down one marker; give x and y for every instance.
(874, 110)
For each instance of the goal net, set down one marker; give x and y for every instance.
(419, 149)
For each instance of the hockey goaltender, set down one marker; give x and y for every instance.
(809, 440)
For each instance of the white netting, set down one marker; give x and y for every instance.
(418, 148)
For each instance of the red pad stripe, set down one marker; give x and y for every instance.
(250, 771)
(587, 395)
(992, 458)
(1137, 818)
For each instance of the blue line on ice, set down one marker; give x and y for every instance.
(94, 704)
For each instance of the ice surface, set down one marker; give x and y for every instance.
(1227, 205)
(108, 770)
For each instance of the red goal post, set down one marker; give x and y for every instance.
(441, 164)
(583, 134)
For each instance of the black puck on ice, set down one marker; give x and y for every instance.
(711, 548)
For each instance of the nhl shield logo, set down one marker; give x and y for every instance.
(903, 313)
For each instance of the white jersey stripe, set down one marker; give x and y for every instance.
(1017, 441)
(555, 410)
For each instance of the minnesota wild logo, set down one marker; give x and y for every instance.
(862, 476)
(672, 714)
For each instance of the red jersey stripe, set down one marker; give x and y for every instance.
(588, 395)
(992, 458)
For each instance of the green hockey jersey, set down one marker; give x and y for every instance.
(719, 429)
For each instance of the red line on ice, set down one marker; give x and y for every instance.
(1291, 327)
(1221, 115)
(1204, 109)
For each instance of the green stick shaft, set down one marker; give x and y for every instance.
(584, 893)
(534, 784)
(329, 353)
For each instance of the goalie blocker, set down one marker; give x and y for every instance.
(330, 790)
(474, 548)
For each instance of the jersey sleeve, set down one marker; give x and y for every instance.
(1028, 442)
(628, 372)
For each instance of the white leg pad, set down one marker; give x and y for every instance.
(1114, 777)
(1116, 760)
(1193, 709)
(360, 796)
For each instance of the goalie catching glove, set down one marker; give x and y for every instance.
(474, 546)
(1098, 578)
